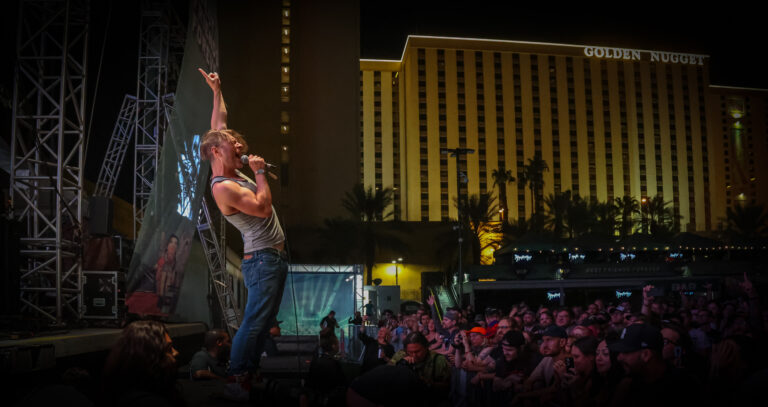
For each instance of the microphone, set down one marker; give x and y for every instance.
(244, 159)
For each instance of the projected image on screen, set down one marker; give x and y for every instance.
(316, 295)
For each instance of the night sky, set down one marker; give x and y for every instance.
(732, 37)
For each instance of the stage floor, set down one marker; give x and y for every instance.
(41, 352)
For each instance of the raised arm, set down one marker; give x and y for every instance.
(219, 113)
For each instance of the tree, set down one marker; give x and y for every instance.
(578, 219)
(501, 178)
(627, 208)
(359, 239)
(533, 176)
(604, 216)
(557, 211)
(660, 216)
(748, 221)
(477, 212)
(368, 205)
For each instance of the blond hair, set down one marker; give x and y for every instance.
(214, 137)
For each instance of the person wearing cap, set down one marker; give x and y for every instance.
(542, 383)
(653, 382)
(617, 323)
(491, 321)
(511, 368)
(446, 326)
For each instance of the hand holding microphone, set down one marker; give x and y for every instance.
(259, 169)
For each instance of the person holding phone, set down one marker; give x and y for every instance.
(578, 372)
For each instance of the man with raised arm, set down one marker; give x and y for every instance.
(248, 206)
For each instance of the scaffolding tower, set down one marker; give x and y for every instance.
(161, 43)
(47, 154)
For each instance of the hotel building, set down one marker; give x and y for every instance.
(607, 121)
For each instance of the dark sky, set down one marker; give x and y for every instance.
(733, 37)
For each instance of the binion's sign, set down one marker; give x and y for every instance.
(638, 55)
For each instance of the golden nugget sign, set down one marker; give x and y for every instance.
(636, 55)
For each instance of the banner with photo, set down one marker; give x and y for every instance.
(168, 230)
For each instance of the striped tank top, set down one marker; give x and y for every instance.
(258, 233)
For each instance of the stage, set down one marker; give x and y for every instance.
(42, 352)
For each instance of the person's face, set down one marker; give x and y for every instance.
(383, 335)
(448, 323)
(419, 313)
(417, 352)
(528, 319)
(671, 339)
(582, 363)
(592, 309)
(545, 320)
(510, 352)
(230, 151)
(424, 319)
(551, 345)
(563, 319)
(702, 317)
(599, 304)
(171, 352)
(580, 332)
(583, 317)
(173, 244)
(656, 308)
(503, 327)
(617, 317)
(603, 358)
(632, 362)
(629, 318)
(475, 339)
(431, 325)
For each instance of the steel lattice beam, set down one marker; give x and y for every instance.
(47, 154)
(118, 146)
(161, 41)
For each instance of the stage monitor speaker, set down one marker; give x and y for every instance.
(101, 214)
(103, 294)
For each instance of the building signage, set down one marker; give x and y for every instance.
(623, 294)
(553, 295)
(637, 55)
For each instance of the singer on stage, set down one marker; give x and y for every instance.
(247, 206)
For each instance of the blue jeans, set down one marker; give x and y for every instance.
(264, 276)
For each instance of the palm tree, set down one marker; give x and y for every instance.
(627, 207)
(477, 212)
(578, 219)
(500, 178)
(661, 217)
(748, 221)
(368, 205)
(604, 215)
(557, 210)
(359, 238)
(533, 176)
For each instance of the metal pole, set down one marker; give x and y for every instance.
(457, 152)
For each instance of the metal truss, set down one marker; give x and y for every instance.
(161, 42)
(47, 154)
(118, 145)
(221, 280)
(326, 268)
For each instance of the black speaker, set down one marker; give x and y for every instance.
(101, 214)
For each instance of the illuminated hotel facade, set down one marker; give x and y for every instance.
(608, 122)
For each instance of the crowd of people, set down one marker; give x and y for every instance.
(670, 351)
(677, 350)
